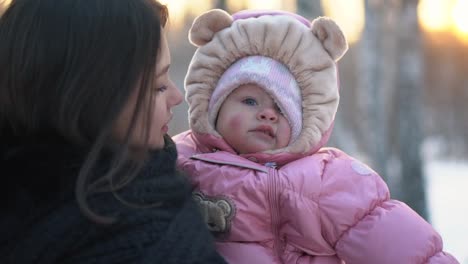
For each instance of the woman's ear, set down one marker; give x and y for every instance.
(206, 25)
(331, 36)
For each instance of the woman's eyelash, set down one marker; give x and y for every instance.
(161, 89)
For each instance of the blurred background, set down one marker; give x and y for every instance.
(404, 95)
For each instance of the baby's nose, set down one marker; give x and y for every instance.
(268, 114)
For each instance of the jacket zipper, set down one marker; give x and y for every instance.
(237, 164)
(274, 208)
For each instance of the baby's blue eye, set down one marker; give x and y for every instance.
(249, 101)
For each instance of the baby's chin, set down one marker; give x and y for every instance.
(252, 149)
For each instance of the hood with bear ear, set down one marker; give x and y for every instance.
(310, 50)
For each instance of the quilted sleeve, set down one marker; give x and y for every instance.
(364, 225)
(185, 146)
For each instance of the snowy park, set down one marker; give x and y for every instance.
(447, 183)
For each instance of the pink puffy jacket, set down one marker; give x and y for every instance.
(303, 203)
(322, 208)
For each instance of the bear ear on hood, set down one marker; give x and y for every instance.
(206, 25)
(331, 36)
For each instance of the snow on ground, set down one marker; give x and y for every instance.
(447, 189)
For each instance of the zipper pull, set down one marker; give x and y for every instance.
(271, 164)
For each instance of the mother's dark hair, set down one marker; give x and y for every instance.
(67, 68)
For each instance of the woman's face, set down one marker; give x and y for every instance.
(166, 95)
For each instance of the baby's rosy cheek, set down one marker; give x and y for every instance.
(235, 122)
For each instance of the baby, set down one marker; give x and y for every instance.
(262, 89)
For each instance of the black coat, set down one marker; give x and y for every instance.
(40, 221)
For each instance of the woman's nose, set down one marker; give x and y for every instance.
(268, 114)
(176, 96)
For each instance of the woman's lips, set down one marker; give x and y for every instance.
(165, 129)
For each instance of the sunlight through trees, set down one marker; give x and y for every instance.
(349, 14)
(444, 16)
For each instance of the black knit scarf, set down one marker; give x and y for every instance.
(41, 223)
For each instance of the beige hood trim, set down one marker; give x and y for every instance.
(309, 52)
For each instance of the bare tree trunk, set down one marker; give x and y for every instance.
(378, 79)
(409, 106)
(446, 88)
(309, 8)
(221, 4)
(391, 97)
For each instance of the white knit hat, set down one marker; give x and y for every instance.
(271, 75)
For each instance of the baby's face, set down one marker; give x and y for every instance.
(250, 121)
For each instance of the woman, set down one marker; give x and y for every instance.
(86, 166)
